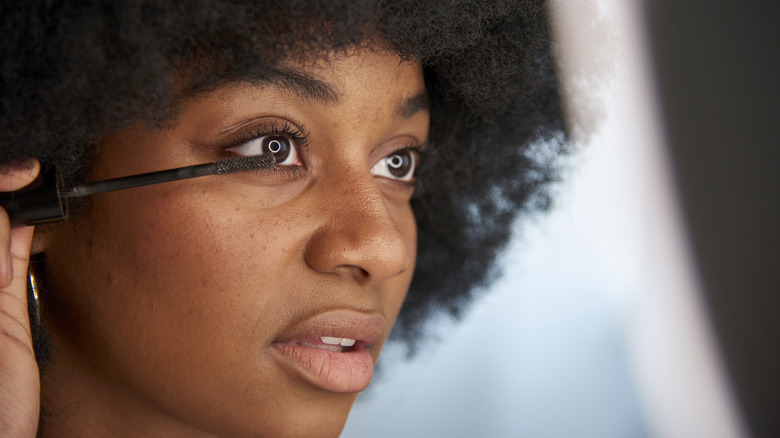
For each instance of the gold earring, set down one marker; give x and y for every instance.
(33, 299)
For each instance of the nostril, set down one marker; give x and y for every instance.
(351, 270)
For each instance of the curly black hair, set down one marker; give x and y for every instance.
(72, 71)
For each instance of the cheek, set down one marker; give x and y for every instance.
(162, 303)
(168, 288)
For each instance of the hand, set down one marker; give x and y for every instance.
(19, 378)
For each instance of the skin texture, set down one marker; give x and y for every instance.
(166, 303)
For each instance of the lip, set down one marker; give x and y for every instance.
(346, 371)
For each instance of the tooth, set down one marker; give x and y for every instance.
(345, 342)
(330, 340)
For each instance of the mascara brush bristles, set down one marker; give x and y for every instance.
(221, 167)
(241, 164)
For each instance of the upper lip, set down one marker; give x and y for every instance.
(366, 327)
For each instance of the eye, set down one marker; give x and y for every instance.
(398, 166)
(284, 149)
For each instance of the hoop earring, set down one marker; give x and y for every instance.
(33, 300)
(40, 337)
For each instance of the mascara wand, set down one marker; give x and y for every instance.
(42, 201)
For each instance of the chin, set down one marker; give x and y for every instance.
(320, 415)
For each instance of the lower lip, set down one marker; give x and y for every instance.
(348, 371)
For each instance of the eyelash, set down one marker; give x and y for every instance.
(298, 134)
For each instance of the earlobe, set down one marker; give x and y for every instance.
(45, 235)
(40, 238)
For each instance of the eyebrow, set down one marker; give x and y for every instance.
(413, 105)
(309, 88)
(305, 86)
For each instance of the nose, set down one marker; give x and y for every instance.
(359, 236)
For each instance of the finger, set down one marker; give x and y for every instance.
(6, 260)
(18, 174)
(13, 295)
(13, 177)
(16, 243)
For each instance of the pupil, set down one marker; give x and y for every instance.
(399, 165)
(278, 146)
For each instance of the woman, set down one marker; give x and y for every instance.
(256, 303)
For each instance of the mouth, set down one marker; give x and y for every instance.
(333, 350)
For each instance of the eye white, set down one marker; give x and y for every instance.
(389, 166)
(283, 148)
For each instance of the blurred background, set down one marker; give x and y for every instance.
(645, 304)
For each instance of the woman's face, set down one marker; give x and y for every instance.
(252, 304)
